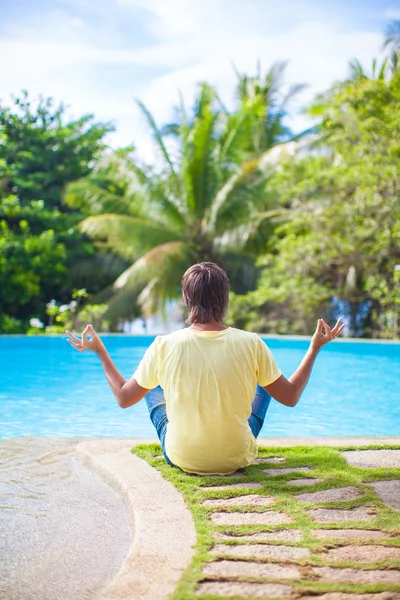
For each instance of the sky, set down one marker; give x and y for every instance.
(98, 56)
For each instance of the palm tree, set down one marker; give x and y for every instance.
(392, 42)
(392, 39)
(378, 72)
(266, 127)
(207, 203)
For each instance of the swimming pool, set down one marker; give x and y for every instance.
(49, 389)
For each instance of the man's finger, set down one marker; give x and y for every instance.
(319, 327)
(337, 329)
(340, 330)
(337, 325)
(84, 335)
(73, 337)
(327, 328)
(75, 345)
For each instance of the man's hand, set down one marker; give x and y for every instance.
(94, 343)
(288, 391)
(324, 334)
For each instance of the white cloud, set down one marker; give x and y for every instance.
(58, 54)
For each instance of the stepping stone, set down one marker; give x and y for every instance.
(284, 535)
(333, 515)
(348, 534)
(232, 486)
(248, 590)
(304, 481)
(388, 492)
(251, 500)
(356, 576)
(332, 495)
(241, 568)
(237, 518)
(274, 472)
(261, 551)
(364, 554)
(372, 459)
(351, 596)
(275, 460)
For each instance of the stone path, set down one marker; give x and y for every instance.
(247, 590)
(352, 596)
(305, 481)
(348, 534)
(241, 568)
(285, 535)
(389, 492)
(334, 495)
(335, 515)
(245, 563)
(262, 551)
(357, 576)
(372, 459)
(364, 554)
(274, 472)
(260, 518)
(250, 500)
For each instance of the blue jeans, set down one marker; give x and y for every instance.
(156, 405)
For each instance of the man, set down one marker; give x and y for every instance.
(208, 386)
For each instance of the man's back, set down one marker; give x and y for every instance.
(209, 380)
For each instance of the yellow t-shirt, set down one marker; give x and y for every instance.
(209, 380)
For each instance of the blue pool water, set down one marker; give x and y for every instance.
(49, 389)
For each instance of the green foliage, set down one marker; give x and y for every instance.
(295, 222)
(74, 315)
(28, 264)
(207, 202)
(41, 152)
(93, 314)
(40, 243)
(339, 233)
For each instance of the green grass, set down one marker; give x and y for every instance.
(326, 463)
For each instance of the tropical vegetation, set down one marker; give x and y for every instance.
(305, 224)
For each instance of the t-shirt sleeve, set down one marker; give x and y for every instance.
(267, 369)
(147, 372)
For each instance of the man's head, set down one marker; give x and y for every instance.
(205, 290)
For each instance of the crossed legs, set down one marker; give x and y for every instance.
(157, 408)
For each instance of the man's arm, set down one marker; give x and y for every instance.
(288, 391)
(127, 393)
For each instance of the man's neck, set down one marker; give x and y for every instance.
(209, 326)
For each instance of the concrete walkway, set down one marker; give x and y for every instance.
(163, 530)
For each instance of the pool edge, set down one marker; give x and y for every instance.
(162, 528)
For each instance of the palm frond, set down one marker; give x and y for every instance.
(233, 138)
(392, 39)
(155, 277)
(97, 271)
(233, 238)
(198, 170)
(157, 135)
(128, 236)
(89, 196)
(264, 164)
